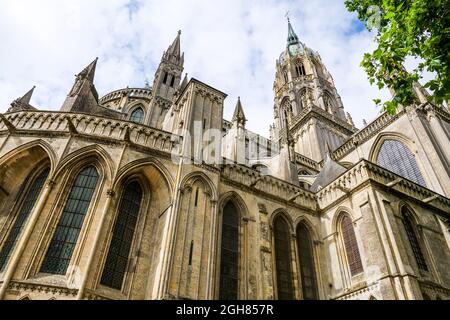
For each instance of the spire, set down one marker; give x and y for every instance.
(174, 48)
(27, 96)
(89, 72)
(238, 114)
(83, 96)
(23, 103)
(184, 82)
(292, 36)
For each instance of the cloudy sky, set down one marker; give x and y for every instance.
(231, 45)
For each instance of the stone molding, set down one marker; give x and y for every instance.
(141, 93)
(37, 122)
(365, 171)
(42, 288)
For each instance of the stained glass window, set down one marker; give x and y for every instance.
(283, 259)
(307, 265)
(229, 254)
(413, 241)
(66, 234)
(137, 115)
(122, 236)
(21, 219)
(396, 157)
(351, 246)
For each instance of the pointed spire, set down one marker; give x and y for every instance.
(83, 96)
(184, 82)
(89, 72)
(27, 96)
(174, 48)
(22, 103)
(292, 36)
(238, 114)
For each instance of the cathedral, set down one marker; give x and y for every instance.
(150, 194)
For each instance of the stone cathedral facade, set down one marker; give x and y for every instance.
(148, 193)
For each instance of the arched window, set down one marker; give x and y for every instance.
(21, 219)
(229, 254)
(137, 115)
(300, 70)
(283, 259)
(287, 107)
(307, 264)
(328, 104)
(122, 236)
(413, 241)
(351, 246)
(64, 239)
(396, 157)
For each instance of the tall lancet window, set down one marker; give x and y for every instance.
(396, 157)
(137, 115)
(229, 254)
(300, 70)
(413, 240)
(282, 237)
(65, 238)
(122, 236)
(307, 265)
(351, 246)
(31, 196)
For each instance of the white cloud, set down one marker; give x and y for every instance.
(231, 45)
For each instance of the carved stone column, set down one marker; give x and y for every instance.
(110, 194)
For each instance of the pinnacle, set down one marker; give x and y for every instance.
(239, 112)
(174, 48)
(27, 96)
(89, 72)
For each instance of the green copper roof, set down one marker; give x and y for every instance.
(292, 37)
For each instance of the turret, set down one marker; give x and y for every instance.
(234, 147)
(166, 83)
(168, 74)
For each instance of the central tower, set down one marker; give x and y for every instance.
(307, 107)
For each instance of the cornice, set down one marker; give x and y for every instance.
(42, 288)
(315, 112)
(93, 127)
(365, 172)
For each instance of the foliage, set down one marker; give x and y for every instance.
(407, 28)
